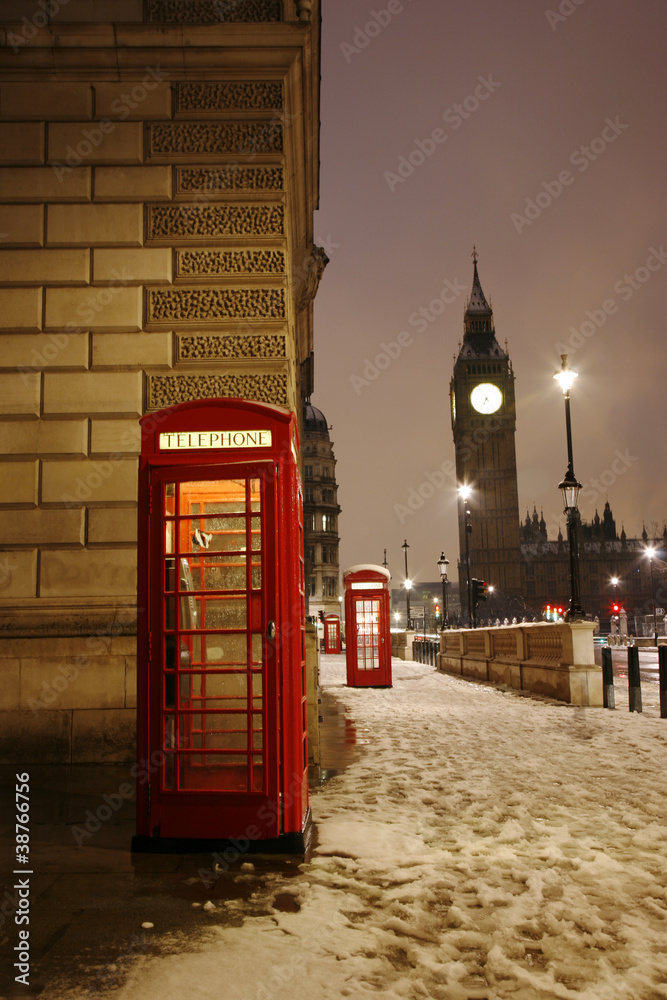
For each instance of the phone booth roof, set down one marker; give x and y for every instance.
(367, 571)
(207, 427)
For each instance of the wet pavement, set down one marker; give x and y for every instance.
(92, 900)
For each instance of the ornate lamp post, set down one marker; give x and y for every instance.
(408, 585)
(570, 488)
(464, 493)
(650, 552)
(443, 563)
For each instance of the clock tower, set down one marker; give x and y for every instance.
(483, 415)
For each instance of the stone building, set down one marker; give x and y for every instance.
(320, 511)
(159, 165)
(526, 568)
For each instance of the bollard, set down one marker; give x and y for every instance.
(662, 673)
(634, 680)
(608, 697)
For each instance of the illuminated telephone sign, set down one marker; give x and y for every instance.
(367, 626)
(221, 704)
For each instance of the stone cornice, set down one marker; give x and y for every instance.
(68, 617)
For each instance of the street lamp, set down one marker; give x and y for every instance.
(650, 552)
(408, 584)
(570, 487)
(464, 493)
(443, 563)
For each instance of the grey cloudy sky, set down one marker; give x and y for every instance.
(537, 133)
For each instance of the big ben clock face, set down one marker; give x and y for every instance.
(486, 397)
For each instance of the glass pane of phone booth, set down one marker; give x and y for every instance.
(213, 720)
(367, 613)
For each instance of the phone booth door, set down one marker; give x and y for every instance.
(214, 673)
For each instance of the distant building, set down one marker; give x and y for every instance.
(526, 568)
(429, 597)
(320, 513)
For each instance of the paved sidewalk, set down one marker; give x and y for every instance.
(470, 843)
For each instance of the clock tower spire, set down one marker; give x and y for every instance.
(484, 423)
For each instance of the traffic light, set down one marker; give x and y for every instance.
(320, 615)
(478, 591)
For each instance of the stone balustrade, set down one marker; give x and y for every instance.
(556, 660)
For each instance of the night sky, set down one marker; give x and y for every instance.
(537, 134)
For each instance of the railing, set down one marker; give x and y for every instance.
(425, 649)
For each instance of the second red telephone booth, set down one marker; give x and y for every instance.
(331, 634)
(367, 617)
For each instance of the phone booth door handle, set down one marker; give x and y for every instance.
(271, 630)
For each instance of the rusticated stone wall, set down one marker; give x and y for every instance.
(154, 225)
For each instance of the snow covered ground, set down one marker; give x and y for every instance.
(483, 845)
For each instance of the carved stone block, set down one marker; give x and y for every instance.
(167, 390)
(255, 95)
(201, 305)
(221, 263)
(169, 222)
(214, 138)
(233, 177)
(215, 348)
(211, 11)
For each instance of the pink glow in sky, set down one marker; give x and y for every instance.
(536, 133)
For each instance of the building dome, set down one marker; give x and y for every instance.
(314, 419)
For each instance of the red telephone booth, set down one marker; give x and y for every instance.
(367, 618)
(331, 634)
(221, 708)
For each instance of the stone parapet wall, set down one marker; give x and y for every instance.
(556, 660)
